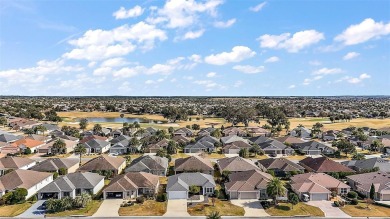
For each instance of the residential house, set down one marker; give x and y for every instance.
(30, 180)
(233, 131)
(317, 186)
(330, 135)
(9, 138)
(24, 143)
(194, 164)
(179, 185)
(276, 147)
(48, 147)
(368, 164)
(181, 140)
(235, 164)
(235, 147)
(206, 131)
(205, 144)
(232, 138)
(323, 165)
(52, 165)
(289, 140)
(121, 145)
(363, 182)
(104, 163)
(250, 184)
(13, 163)
(49, 128)
(259, 139)
(116, 133)
(314, 148)
(301, 132)
(153, 148)
(72, 185)
(96, 146)
(131, 185)
(39, 137)
(185, 132)
(282, 167)
(257, 131)
(149, 164)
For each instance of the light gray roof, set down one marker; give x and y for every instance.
(200, 145)
(54, 164)
(73, 181)
(120, 139)
(96, 143)
(182, 182)
(368, 164)
(232, 138)
(312, 146)
(148, 162)
(9, 137)
(272, 145)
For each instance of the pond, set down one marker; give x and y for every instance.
(119, 120)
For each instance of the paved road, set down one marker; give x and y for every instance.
(33, 211)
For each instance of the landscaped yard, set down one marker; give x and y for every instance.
(14, 210)
(284, 209)
(148, 208)
(87, 211)
(225, 208)
(361, 210)
(179, 155)
(213, 155)
(163, 180)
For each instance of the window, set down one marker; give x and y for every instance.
(344, 191)
(66, 194)
(209, 190)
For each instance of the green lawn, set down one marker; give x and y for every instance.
(14, 210)
(87, 211)
(225, 208)
(360, 210)
(284, 209)
(148, 208)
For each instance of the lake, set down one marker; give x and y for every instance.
(119, 120)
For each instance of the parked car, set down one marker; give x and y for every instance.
(385, 155)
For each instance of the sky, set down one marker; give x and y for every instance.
(194, 48)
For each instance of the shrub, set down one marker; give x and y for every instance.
(55, 175)
(140, 200)
(62, 171)
(352, 194)
(216, 193)
(336, 204)
(354, 202)
(161, 197)
(265, 204)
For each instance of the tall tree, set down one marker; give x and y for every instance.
(372, 192)
(80, 150)
(97, 129)
(293, 199)
(275, 189)
(59, 147)
(83, 123)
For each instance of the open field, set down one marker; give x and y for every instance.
(225, 208)
(14, 210)
(284, 209)
(361, 210)
(148, 208)
(69, 119)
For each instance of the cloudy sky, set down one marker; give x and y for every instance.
(188, 47)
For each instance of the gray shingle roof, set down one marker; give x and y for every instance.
(148, 162)
(182, 182)
(73, 181)
(368, 164)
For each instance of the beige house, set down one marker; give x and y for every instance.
(194, 164)
(104, 163)
(55, 164)
(363, 182)
(14, 163)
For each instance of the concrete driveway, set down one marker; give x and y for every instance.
(252, 207)
(177, 208)
(33, 211)
(328, 209)
(109, 208)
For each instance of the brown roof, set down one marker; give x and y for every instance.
(237, 145)
(180, 138)
(289, 139)
(235, 164)
(14, 162)
(315, 183)
(21, 179)
(103, 162)
(193, 163)
(381, 181)
(250, 180)
(54, 164)
(323, 165)
(281, 164)
(85, 139)
(132, 180)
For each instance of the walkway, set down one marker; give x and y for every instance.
(109, 208)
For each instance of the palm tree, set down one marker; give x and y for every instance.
(83, 123)
(214, 215)
(29, 132)
(80, 150)
(59, 146)
(122, 115)
(97, 128)
(275, 189)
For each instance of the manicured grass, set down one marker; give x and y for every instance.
(14, 210)
(148, 208)
(89, 210)
(107, 181)
(179, 155)
(284, 209)
(225, 208)
(214, 155)
(296, 157)
(360, 210)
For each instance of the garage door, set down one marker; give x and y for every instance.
(177, 195)
(318, 196)
(386, 197)
(234, 151)
(111, 195)
(248, 195)
(233, 195)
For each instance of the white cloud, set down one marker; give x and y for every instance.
(195, 58)
(351, 55)
(292, 86)
(122, 13)
(292, 43)
(208, 84)
(237, 54)
(238, 84)
(211, 74)
(125, 87)
(355, 80)
(315, 63)
(272, 59)
(258, 7)
(248, 69)
(183, 13)
(226, 24)
(103, 44)
(114, 62)
(102, 71)
(193, 34)
(360, 33)
(307, 81)
(188, 78)
(327, 71)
